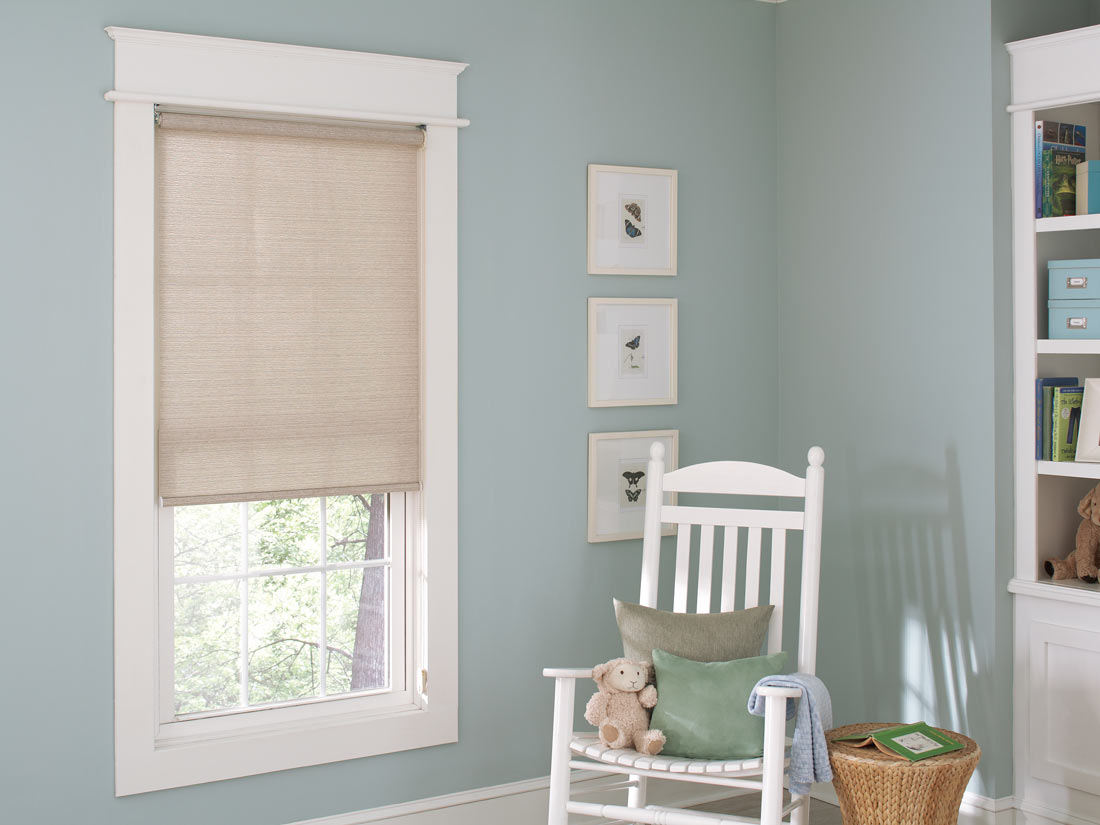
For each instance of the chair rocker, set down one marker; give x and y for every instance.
(584, 751)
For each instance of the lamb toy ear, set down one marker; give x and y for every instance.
(1088, 508)
(599, 671)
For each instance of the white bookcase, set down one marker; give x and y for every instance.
(1056, 690)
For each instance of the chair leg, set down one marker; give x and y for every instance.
(635, 797)
(564, 691)
(775, 726)
(801, 814)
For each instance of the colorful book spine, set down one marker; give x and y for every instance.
(1065, 422)
(1046, 184)
(1045, 131)
(1050, 134)
(1063, 179)
(1043, 395)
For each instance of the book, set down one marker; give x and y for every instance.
(1062, 183)
(1046, 131)
(1043, 396)
(913, 742)
(1048, 135)
(1065, 422)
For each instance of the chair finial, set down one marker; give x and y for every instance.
(657, 451)
(816, 456)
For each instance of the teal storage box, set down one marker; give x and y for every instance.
(1073, 319)
(1073, 280)
(1088, 187)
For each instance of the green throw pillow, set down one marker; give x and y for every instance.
(704, 637)
(702, 707)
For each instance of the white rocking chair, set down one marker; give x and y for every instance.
(584, 751)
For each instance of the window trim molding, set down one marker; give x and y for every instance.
(194, 73)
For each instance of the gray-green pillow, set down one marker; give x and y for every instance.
(702, 707)
(704, 637)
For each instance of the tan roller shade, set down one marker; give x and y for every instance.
(288, 334)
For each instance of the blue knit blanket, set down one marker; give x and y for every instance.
(809, 751)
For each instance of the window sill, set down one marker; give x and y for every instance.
(181, 756)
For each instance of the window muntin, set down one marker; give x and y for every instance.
(283, 602)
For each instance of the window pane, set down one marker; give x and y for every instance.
(207, 646)
(350, 537)
(356, 630)
(283, 643)
(284, 533)
(207, 539)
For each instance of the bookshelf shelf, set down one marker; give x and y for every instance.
(1069, 223)
(1050, 346)
(1067, 590)
(1069, 469)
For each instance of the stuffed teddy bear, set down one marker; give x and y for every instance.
(1082, 563)
(619, 708)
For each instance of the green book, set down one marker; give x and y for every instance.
(1048, 402)
(1063, 179)
(913, 742)
(1065, 422)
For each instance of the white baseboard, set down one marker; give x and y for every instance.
(1033, 814)
(525, 803)
(517, 803)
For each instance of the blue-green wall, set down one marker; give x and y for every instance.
(551, 87)
(895, 345)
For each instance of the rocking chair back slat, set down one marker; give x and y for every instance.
(730, 517)
(775, 589)
(706, 561)
(752, 569)
(683, 563)
(729, 569)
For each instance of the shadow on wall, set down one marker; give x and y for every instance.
(917, 654)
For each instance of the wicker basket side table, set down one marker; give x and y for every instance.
(876, 789)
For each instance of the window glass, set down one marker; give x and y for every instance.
(278, 601)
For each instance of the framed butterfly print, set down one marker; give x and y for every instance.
(631, 351)
(617, 476)
(631, 220)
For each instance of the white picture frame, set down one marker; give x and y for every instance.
(632, 351)
(616, 493)
(1088, 437)
(631, 220)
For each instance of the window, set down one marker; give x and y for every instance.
(278, 602)
(270, 613)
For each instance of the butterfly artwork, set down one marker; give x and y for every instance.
(634, 210)
(631, 230)
(632, 352)
(632, 479)
(632, 495)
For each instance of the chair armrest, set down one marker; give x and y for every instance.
(784, 692)
(568, 672)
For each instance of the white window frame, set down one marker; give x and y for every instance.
(217, 75)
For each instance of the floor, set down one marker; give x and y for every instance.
(821, 813)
